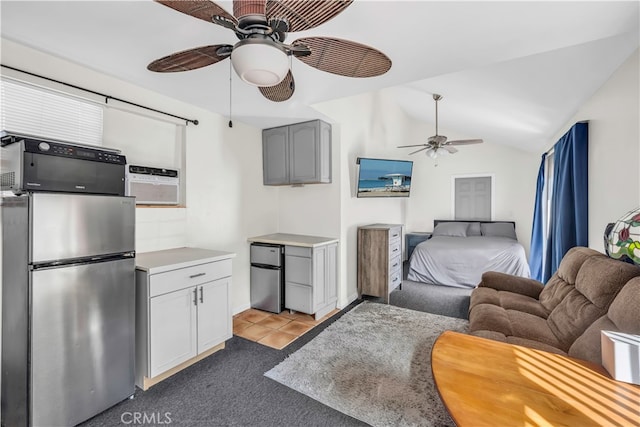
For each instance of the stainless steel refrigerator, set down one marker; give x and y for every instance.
(67, 306)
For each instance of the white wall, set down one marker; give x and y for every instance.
(226, 201)
(368, 125)
(514, 172)
(613, 113)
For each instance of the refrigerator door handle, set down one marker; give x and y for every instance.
(201, 295)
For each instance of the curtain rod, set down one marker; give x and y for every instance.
(105, 96)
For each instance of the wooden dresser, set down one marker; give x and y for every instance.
(379, 259)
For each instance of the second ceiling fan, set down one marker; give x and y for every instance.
(438, 145)
(261, 58)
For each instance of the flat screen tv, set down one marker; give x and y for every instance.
(384, 177)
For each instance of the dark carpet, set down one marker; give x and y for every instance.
(229, 387)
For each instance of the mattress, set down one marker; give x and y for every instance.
(460, 261)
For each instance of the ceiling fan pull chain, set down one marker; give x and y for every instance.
(230, 94)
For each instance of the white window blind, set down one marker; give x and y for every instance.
(36, 111)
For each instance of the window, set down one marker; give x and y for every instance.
(472, 197)
(41, 112)
(547, 193)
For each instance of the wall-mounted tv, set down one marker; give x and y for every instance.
(384, 177)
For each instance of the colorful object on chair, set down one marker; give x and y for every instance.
(624, 238)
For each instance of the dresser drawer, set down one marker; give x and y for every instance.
(395, 263)
(395, 248)
(395, 279)
(191, 276)
(395, 233)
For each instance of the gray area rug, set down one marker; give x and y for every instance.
(373, 364)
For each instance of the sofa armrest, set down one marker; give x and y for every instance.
(507, 282)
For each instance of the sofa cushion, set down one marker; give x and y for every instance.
(491, 318)
(621, 317)
(587, 346)
(535, 328)
(600, 280)
(572, 317)
(559, 285)
(507, 300)
(623, 311)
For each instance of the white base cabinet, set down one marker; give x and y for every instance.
(311, 279)
(183, 309)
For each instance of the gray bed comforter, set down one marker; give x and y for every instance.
(460, 261)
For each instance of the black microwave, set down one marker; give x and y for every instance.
(34, 164)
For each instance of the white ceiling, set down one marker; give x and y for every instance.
(511, 72)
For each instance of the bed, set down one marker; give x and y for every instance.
(460, 251)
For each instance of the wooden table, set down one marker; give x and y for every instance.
(489, 383)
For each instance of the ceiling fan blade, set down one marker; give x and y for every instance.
(417, 151)
(451, 150)
(248, 7)
(465, 142)
(415, 145)
(280, 92)
(304, 15)
(191, 59)
(343, 57)
(201, 9)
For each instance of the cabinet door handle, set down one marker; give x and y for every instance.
(395, 250)
(201, 295)
(395, 235)
(193, 276)
(395, 265)
(195, 296)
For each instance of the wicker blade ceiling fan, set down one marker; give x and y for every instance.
(261, 58)
(438, 144)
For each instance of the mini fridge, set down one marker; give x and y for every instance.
(267, 277)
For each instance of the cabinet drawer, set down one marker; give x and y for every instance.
(190, 276)
(395, 233)
(298, 297)
(395, 264)
(395, 279)
(297, 269)
(297, 251)
(395, 249)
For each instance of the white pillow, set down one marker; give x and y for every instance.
(452, 229)
(474, 229)
(498, 229)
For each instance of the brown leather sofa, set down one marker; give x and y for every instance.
(590, 292)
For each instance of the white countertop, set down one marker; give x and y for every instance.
(293, 240)
(171, 259)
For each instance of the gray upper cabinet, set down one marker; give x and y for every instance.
(297, 154)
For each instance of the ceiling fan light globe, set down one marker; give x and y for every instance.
(261, 63)
(432, 153)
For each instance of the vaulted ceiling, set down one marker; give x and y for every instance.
(510, 72)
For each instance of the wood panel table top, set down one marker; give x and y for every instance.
(489, 383)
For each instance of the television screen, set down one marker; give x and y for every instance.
(384, 177)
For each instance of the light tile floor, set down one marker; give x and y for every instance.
(274, 330)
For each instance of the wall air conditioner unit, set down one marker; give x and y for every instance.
(153, 186)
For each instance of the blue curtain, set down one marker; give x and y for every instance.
(536, 252)
(569, 221)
